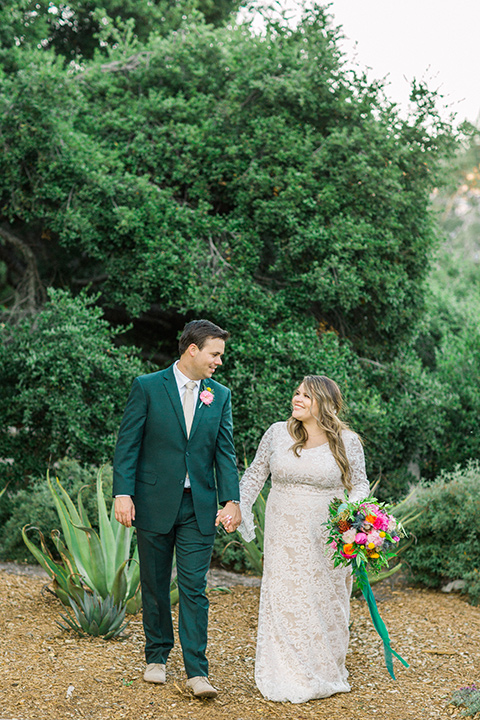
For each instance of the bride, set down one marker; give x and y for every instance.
(304, 603)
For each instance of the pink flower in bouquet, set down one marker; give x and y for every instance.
(206, 396)
(374, 537)
(359, 534)
(381, 522)
(349, 536)
(361, 538)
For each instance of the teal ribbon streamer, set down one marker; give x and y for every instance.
(380, 627)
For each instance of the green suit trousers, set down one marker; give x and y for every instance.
(193, 554)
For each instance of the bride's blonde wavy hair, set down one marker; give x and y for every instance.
(330, 403)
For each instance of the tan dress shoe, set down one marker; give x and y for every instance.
(201, 688)
(155, 673)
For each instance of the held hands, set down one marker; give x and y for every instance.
(230, 517)
(124, 510)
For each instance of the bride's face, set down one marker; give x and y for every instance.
(304, 406)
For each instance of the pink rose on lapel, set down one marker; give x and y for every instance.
(206, 396)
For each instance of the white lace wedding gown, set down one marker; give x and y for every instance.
(305, 602)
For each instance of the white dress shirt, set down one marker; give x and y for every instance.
(182, 387)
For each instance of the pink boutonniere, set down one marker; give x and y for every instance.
(207, 396)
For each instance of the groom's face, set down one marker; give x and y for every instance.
(208, 359)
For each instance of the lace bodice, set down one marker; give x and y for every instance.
(315, 468)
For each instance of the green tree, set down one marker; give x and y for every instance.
(449, 336)
(213, 159)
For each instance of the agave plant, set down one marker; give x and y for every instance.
(94, 615)
(99, 562)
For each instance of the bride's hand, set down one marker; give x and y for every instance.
(230, 517)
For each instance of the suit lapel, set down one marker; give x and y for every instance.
(172, 391)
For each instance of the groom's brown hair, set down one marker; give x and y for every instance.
(198, 332)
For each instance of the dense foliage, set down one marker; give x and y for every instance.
(80, 28)
(447, 543)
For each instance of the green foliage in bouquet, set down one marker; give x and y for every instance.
(99, 562)
(94, 615)
(447, 543)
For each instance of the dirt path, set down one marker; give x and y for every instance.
(438, 634)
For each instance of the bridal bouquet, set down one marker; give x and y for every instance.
(363, 532)
(360, 534)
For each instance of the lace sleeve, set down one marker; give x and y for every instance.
(360, 486)
(252, 482)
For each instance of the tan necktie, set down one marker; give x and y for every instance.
(188, 406)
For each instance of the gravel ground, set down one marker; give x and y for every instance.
(48, 674)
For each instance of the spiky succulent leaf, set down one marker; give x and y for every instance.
(107, 536)
(120, 585)
(72, 625)
(81, 507)
(76, 541)
(44, 557)
(135, 603)
(96, 573)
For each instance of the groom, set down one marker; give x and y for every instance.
(174, 455)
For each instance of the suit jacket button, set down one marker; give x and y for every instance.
(187, 453)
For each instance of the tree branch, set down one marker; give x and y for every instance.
(29, 291)
(127, 65)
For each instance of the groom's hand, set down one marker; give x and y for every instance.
(230, 517)
(124, 510)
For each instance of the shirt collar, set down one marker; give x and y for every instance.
(181, 378)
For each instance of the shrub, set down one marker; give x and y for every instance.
(447, 534)
(64, 386)
(469, 697)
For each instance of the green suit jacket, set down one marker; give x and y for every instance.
(153, 453)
